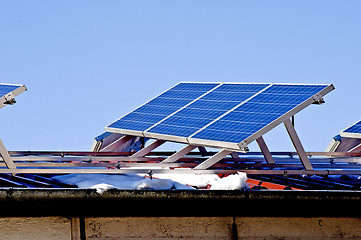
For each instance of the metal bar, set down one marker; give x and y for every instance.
(67, 153)
(297, 144)
(168, 153)
(179, 154)
(190, 164)
(356, 148)
(266, 153)
(180, 171)
(148, 148)
(6, 157)
(183, 159)
(203, 151)
(102, 165)
(214, 159)
(117, 144)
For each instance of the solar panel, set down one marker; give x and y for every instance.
(225, 115)
(213, 104)
(8, 93)
(354, 131)
(266, 107)
(159, 108)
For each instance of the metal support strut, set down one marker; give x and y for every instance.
(298, 145)
(148, 148)
(264, 149)
(6, 156)
(179, 154)
(212, 160)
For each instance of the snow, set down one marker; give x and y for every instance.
(196, 180)
(104, 182)
(232, 182)
(124, 181)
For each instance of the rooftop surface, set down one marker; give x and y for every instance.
(38, 169)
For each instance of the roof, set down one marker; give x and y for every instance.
(115, 153)
(333, 173)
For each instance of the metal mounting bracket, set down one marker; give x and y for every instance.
(214, 159)
(264, 149)
(6, 156)
(298, 145)
(179, 154)
(148, 148)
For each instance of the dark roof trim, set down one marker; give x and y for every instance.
(86, 202)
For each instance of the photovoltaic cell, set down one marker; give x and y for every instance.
(199, 113)
(222, 136)
(173, 130)
(7, 88)
(196, 87)
(162, 106)
(241, 87)
(228, 112)
(258, 111)
(213, 105)
(356, 128)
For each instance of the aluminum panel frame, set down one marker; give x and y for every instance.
(130, 132)
(286, 116)
(242, 145)
(12, 94)
(221, 144)
(350, 135)
(165, 137)
(344, 131)
(124, 131)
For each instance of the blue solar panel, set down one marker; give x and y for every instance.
(258, 111)
(295, 89)
(210, 106)
(162, 106)
(131, 125)
(356, 128)
(199, 113)
(7, 88)
(153, 109)
(228, 112)
(225, 96)
(213, 105)
(250, 116)
(178, 131)
(210, 134)
(244, 87)
(200, 87)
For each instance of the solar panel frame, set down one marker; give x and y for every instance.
(353, 131)
(15, 90)
(181, 86)
(173, 138)
(241, 145)
(224, 144)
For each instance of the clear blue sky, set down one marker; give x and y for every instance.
(87, 63)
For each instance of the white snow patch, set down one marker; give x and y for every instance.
(231, 182)
(101, 188)
(195, 180)
(104, 182)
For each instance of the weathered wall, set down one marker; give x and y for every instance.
(179, 227)
(157, 228)
(39, 228)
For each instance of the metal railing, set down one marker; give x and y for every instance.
(286, 163)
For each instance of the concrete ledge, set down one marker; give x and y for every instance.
(122, 203)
